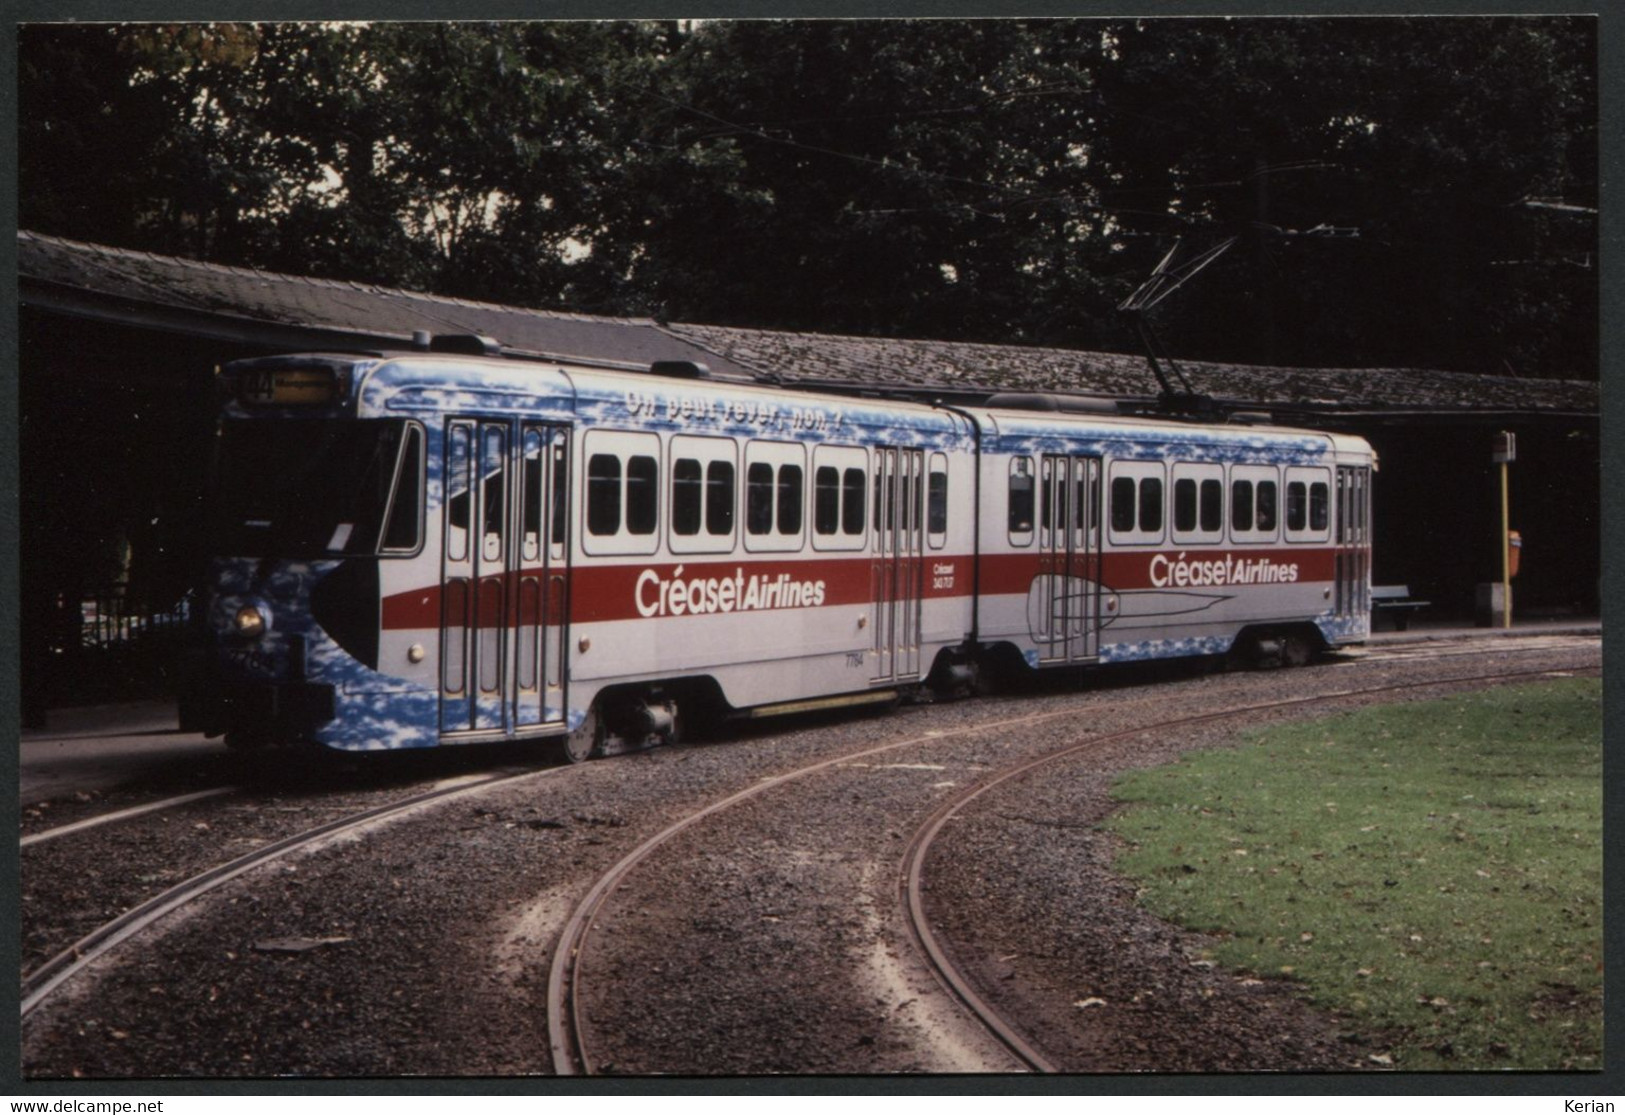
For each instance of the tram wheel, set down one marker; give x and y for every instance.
(586, 741)
(1296, 651)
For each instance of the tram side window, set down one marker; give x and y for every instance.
(840, 481)
(1198, 505)
(827, 499)
(1267, 502)
(838, 501)
(789, 499)
(604, 494)
(1151, 504)
(1185, 505)
(642, 495)
(561, 499)
(852, 502)
(719, 498)
(1022, 499)
(759, 498)
(1137, 498)
(405, 526)
(1319, 504)
(1253, 511)
(702, 493)
(1212, 506)
(622, 493)
(773, 500)
(1137, 504)
(775, 496)
(1308, 504)
(936, 499)
(687, 496)
(1123, 507)
(1241, 505)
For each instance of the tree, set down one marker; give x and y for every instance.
(996, 180)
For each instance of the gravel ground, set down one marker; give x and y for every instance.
(764, 939)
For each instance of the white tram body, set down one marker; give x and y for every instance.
(432, 549)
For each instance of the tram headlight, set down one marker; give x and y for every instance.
(251, 621)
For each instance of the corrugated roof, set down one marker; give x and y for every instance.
(173, 285)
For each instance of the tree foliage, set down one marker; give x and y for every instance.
(1406, 191)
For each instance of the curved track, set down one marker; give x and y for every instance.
(571, 1055)
(948, 973)
(38, 985)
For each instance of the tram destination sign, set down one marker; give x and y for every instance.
(286, 386)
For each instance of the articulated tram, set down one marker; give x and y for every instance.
(430, 548)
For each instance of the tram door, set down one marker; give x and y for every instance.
(1353, 588)
(1067, 627)
(899, 522)
(502, 627)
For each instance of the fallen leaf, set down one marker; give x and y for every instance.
(297, 944)
(1089, 1002)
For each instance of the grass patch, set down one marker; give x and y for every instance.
(1432, 870)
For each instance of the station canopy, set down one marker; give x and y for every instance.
(239, 306)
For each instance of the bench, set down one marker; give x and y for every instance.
(1394, 601)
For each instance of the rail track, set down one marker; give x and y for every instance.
(124, 815)
(39, 984)
(912, 883)
(566, 978)
(570, 1051)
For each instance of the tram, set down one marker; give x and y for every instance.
(434, 548)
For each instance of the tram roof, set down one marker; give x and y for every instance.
(291, 313)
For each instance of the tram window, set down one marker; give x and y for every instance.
(719, 498)
(604, 494)
(1212, 506)
(852, 502)
(642, 495)
(1138, 496)
(406, 512)
(1185, 505)
(493, 504)
(530, 525)
(1267, 502)
(1241, 505)
(1021, 496)
(1151, 503)
(827, 499)
(457, 494)
(687, 493)
(937, 499)
(560, 492)
(1123, 504)
(1319, 501)
(1297, 505)
(764, 493)
(790, 485)
(759, 498)
(840, 497)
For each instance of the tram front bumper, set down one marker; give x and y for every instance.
(286, 709)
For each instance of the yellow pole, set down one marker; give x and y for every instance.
(1506, 552)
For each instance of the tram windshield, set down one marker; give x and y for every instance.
(306, 488)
